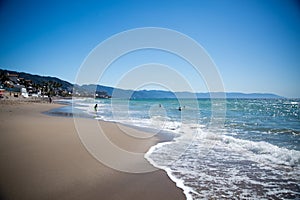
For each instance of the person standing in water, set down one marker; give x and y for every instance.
(95, 107)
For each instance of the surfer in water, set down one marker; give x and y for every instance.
(95, 107)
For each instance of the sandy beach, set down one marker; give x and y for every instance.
(42, 157)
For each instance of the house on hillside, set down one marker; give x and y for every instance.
(17, 91)
(17, 86)
(14, 78)
(11, 80)
(102, 95)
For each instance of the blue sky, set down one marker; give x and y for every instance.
(255, 44)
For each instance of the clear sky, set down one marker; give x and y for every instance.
(255, 44)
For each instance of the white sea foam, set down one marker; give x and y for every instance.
(263, 151)
(213, 153)
(179, 182)
(295, 103)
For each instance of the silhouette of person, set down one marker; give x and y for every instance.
(95, 107)
(50, 99)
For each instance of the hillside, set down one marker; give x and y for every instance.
(40, 79)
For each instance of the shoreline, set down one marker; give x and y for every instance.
(162, 136)
(43, 162)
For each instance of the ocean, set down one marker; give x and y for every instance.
(252, 153)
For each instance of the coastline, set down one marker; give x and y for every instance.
(43, 158)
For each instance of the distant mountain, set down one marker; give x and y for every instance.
(184, 95)
(159, 94)
(89, 90)
(237, 95)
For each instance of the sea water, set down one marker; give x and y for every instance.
(253, 154)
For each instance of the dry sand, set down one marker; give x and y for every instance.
(41, 157)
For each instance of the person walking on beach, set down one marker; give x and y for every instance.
(95, 107)
(50, 99)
